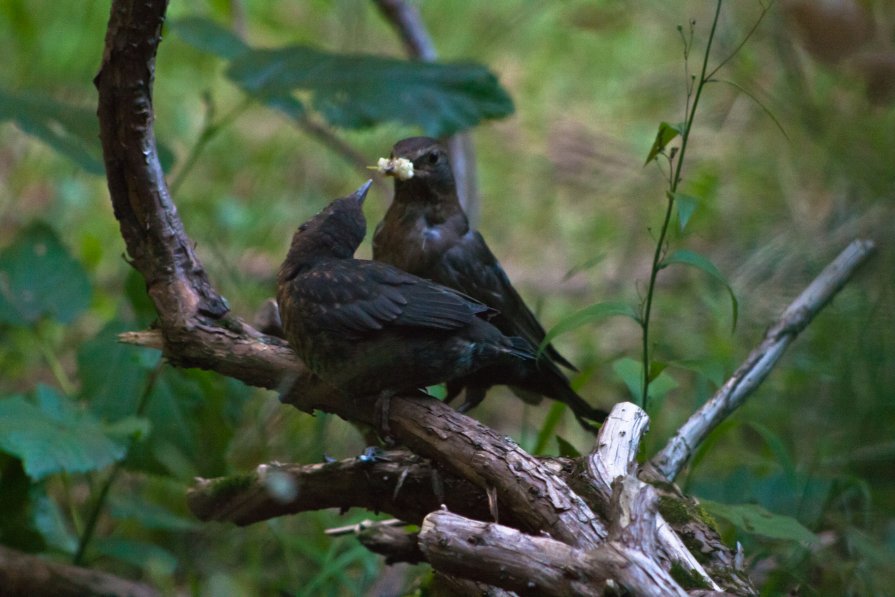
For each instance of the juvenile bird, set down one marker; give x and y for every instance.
(368, 328)
(425, 232)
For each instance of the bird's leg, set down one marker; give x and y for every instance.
(474, 395)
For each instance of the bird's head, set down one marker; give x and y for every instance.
(431, 166)
(336, 231)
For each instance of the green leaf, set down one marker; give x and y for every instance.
(567, 449)
(54, 435)
(209, 37)
(359, 91)
(588, 314)
(691, 258)
(38, 277)
(755, 520)
(665, 135)
(777, 447)
(686, 205)
(630, 371)
(71, 130)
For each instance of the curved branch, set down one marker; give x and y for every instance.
(677, 452)
(25, 574)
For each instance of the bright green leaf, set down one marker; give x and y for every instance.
(588, 314)
(686, 205)
(691, 258)
(665, 135)
(39, 277)
(710, 368)
(630, 371)
(54, 435)
(754, 519)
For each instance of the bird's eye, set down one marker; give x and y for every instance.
(432, 158)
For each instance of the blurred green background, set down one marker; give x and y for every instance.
(567, 206)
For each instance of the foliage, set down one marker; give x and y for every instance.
(563, 191)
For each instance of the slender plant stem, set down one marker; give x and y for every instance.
(663, 232)
(100, 501)
(65, 383)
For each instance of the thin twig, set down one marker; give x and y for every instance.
(674, 456)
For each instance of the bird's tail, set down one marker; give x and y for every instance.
(521, 348)
(555, 385)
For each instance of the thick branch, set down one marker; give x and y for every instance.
(675, 455)
(529, 565)
(398, 483)
(614, 457)
(23, 574)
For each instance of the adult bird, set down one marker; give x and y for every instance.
(368, 328)
(425, 232)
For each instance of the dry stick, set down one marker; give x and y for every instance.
(674, 456)
(615, 455)
(505, 557)
(410, 28)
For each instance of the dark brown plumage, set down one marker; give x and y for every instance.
(368, 328)
(425, 232)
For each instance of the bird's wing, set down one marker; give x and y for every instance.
(363, 296)
(471, 267)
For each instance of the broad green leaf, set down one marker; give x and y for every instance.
(691, 258)
(209, 37)
(359, 91)
(665, 135)
(51, 523)
(71, 130)
(754, 519)
(551, 421)
(588, 314)
(630, 371)
(686, 205)
(39, 277)
(53, 435)
(566, 449)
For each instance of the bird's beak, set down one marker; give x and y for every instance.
(361, 193)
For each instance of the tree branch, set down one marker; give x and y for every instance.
(24, 574)
(677, 452)
(397, 482)
(505, 557)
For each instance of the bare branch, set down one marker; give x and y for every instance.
(24, 574)
(529, 565)
(614, 457)
(674, 456)
(398, 483)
